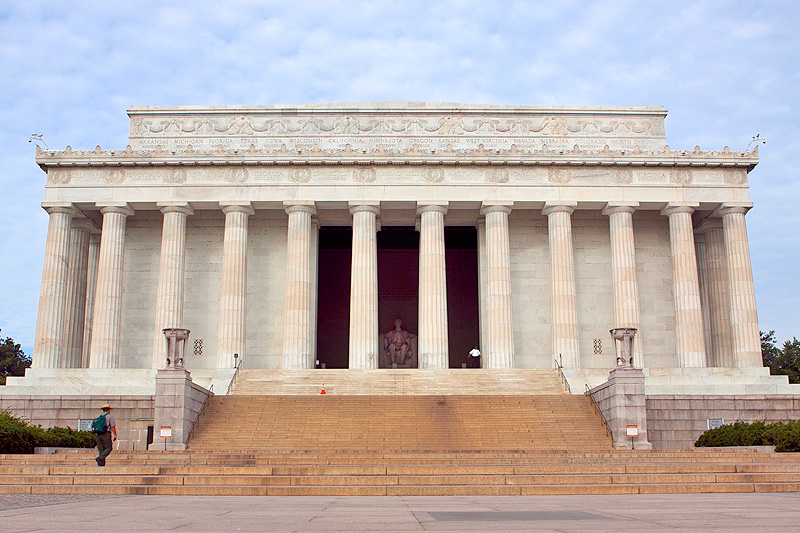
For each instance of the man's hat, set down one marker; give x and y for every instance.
(106, 406)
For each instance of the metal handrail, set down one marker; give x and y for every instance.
(561, 374)
(235, 375)
(588, 393)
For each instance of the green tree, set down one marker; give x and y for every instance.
(781, 361)
(13, 360)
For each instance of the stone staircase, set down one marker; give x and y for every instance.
(391, 433)
(455, 423)
(400, 474)
(400, 382)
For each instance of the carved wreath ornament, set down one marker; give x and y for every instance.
(60, 177)
(433, 175)
(236, 175)
(114, 176)
(680, 177)
(559, 175)
(364, 175)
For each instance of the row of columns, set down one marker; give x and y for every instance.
(81, 293)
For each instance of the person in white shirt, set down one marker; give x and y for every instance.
(475, 358)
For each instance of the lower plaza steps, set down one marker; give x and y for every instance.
(276, 435)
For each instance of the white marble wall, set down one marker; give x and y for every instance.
(593, 280)
(266, 278)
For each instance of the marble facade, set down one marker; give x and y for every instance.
(209, 220)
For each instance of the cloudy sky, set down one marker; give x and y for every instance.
(726, 71)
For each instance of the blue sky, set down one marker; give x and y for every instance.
(724, 70)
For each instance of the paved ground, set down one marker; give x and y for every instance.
(698, 512)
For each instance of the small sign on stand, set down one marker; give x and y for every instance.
(166, 433)
(632, 432)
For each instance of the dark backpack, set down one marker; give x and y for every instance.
(99, 425)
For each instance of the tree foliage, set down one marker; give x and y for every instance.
(781, 361)
(13, 360)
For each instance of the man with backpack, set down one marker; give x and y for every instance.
(105, 429)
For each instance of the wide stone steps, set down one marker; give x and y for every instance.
(395, 382)
(345, 473)
(399, 423)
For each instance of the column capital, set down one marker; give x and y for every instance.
(496, 207)
(707, 224)
(237, 207)
(300, 207)
(559, 207)
(358, 207)
(122, 208)
(732, 207)
(679, 207)
(612, 208)
(436, 207)
(85, 224)
(67, 208)
(175, 207)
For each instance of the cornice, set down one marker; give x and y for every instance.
(383, 156)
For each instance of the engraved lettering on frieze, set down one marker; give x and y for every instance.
(734, 177)
(300, 175)
(497, 175)
(114, 176)
(332, 174)
(622, 176)
(650, 176)
(141, 175)
(559, 175)
(400, 174)
(269, 174)
(205, 175)
(433, 175)
(176, 175)
(463, 174)
(680, 176)
(236, 175)
(60, 177)
(364, 175)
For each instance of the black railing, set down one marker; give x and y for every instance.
(561, 375)
(599, 411)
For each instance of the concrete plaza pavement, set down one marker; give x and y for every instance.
(684, 512)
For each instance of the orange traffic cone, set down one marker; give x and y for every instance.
(323, 389)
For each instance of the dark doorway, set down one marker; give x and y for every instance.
(461, 256)
(398, 278)
(333, 293)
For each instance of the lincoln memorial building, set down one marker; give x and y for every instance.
(396, 237)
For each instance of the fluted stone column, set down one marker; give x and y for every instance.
(743, 314)
(48, 344)
(298, 314)
(702, 279)
(481, 227)
(499, 342)
(625, 282)
(105, 347)
(171, 276)
(314, 284)
(364, 287)
(563, 293)
(433, 341)
(717, 289)
(232, 337)
(91, 286)
(75, 304)
(689, 341)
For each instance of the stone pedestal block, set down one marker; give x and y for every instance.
(178, 403)
(622, 401)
